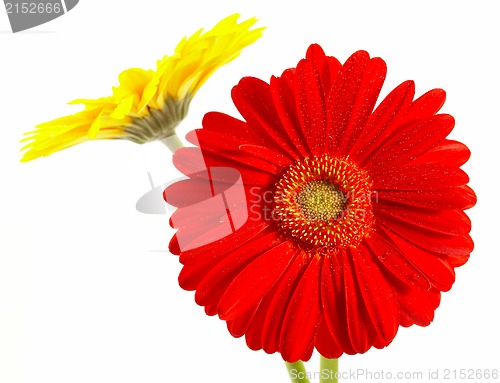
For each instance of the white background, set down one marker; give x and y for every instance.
(87, 292)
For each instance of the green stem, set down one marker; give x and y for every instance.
(328, 370)
(297, 372)
(172, 142)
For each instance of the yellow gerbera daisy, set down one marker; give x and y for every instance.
(147, 105)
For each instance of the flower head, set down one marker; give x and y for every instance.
(147, 105)
(354, 214)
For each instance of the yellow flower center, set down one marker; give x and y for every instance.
(325, 201)
(320, 200)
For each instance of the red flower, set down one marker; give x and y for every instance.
(349, 222)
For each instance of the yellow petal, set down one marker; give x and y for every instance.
(95, 127)
(167, 91)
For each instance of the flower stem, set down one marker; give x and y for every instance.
(297, 372)
(328, 370)
(172, 142)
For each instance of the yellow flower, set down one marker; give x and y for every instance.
(147, 105)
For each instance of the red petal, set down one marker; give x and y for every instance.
(342, 97)
(460, 197)
(380, 342)
(383, 121)
(425, 106)
(311, 106)
(352, 98)
(226, 211)
(173, 246)
(327, 67)
(309, 352)
(253, 99)
(372, 79)
(456, 260)
(227, 151)
(282, 295)
(251, 175)
(449, 152)
(255, 280)
(432, 241)
(288, 76)
(192, 162)
(225, 245)
(326, 345)
(198, 262)
(211, 207)
(253, 335)
(420, 177)
(219, 277)
(239, 326)
(453, 222)
(189, 160)
(269, 155)
(396, 263)
(284, 101)
(378, 296)
(188, 192)
(411, 143)
(197, 237)
(433, 267)
(303, 315)
(418, 306)
(405, 320)
(333, 301)
(216, 122)
(359, 326)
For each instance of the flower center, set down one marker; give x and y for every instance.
(320, 200)
(325, 201)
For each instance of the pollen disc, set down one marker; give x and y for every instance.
(325, 201)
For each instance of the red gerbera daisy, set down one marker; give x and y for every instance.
(349, 222)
